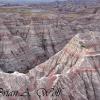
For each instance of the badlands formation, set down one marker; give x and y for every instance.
(28, 41)
(50, 56)
(74, 70)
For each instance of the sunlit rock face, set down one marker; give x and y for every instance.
(74, 69)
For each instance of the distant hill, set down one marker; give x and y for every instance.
(21, 2)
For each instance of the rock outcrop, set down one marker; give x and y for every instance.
(27, 41)
(74, 71)
(35, 66)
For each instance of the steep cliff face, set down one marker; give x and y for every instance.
(74, 70)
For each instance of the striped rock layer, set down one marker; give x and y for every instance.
(74, 70)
